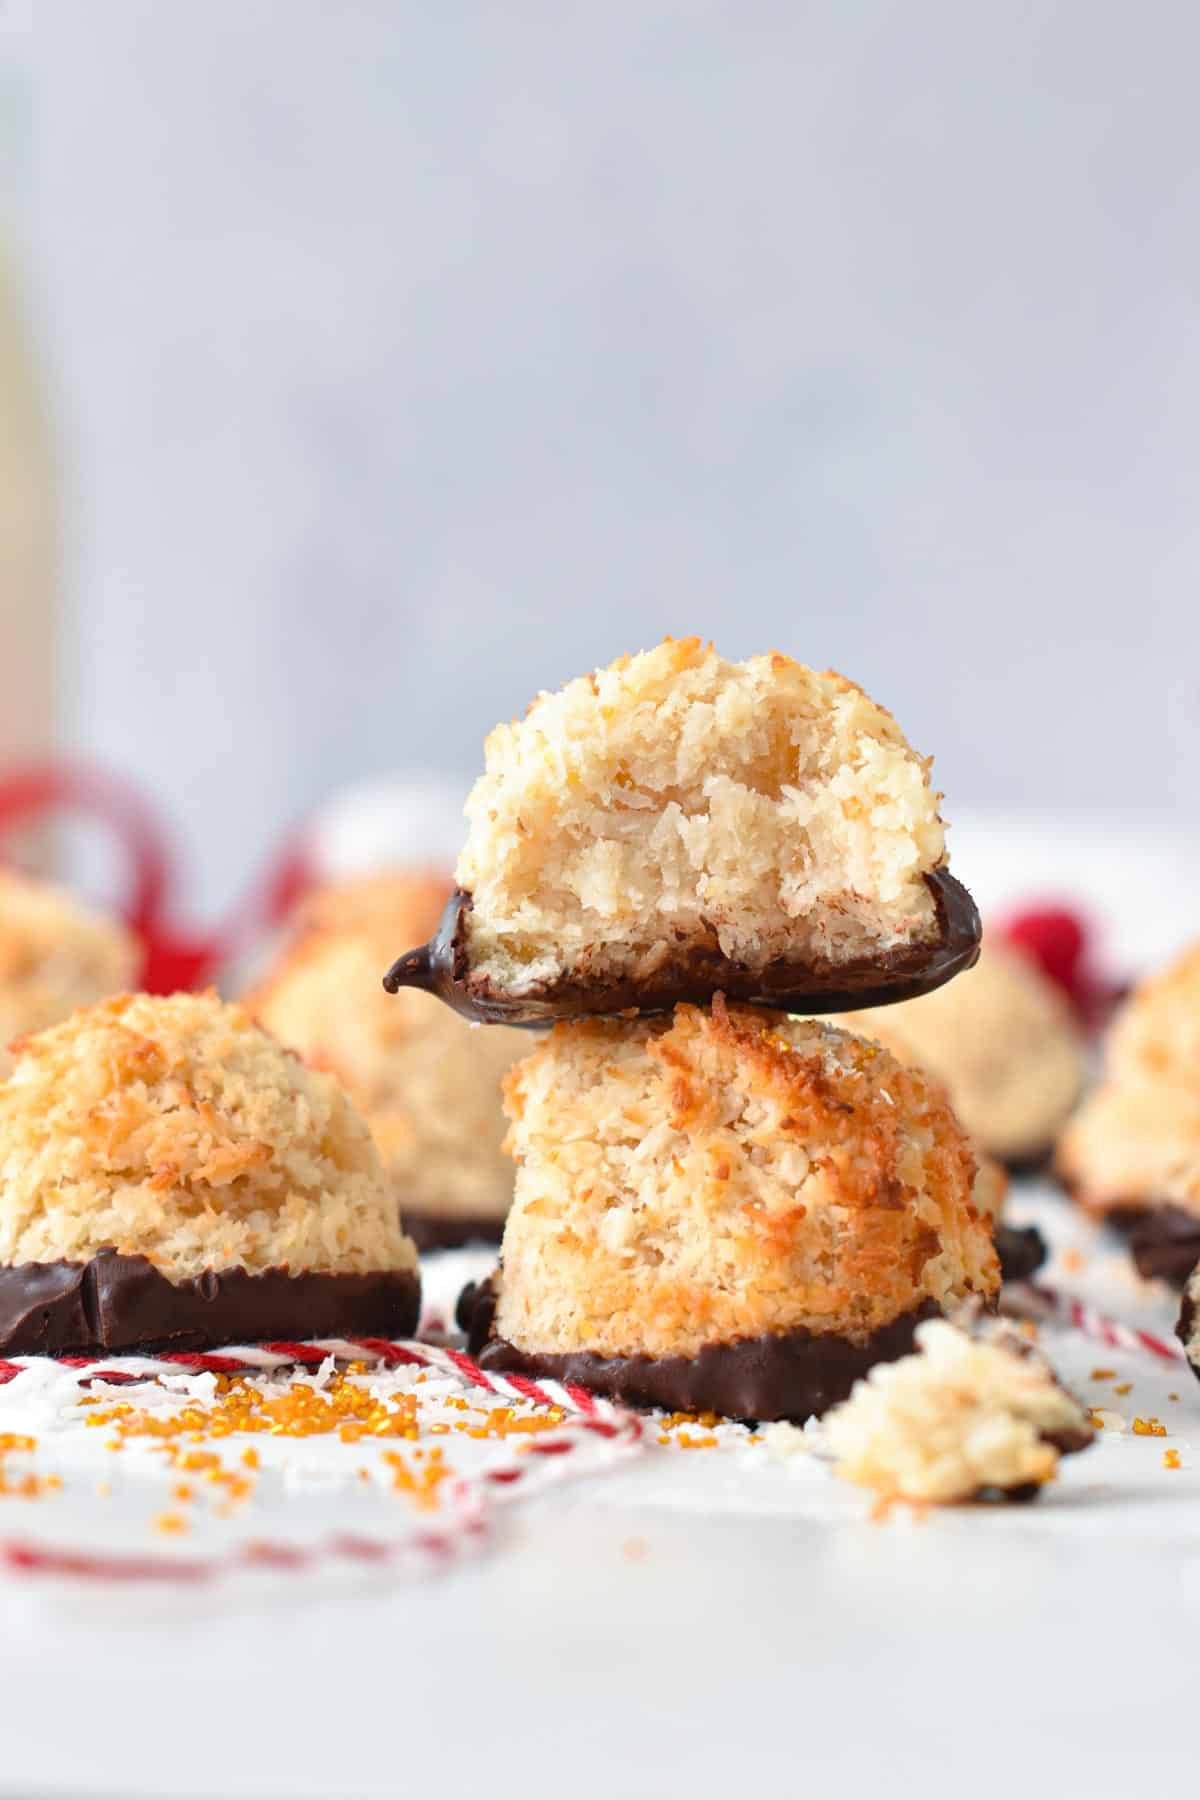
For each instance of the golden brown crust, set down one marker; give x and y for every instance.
(725, 1173)
(176, 1129)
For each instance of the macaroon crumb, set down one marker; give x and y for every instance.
(973, 1414)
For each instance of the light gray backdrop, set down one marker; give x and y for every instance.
(410, 357)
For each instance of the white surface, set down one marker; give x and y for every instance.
(699, 1623)
(407, 358)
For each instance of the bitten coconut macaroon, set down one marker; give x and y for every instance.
(171, 1176)
(55, 955)
(1131, 1154)
(427, 1083)
(677, 825)
(725, 1209)
(1003, 1039)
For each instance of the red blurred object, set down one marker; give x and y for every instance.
(1061, 941)
(174, 958)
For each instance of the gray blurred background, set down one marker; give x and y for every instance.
(405, 358)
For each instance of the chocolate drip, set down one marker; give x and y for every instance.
(785, 1375)
(695, 972)
(116, 1302)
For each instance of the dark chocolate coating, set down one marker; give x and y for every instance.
(117, 1302)
(785, 1375)
(1185, 1328)
(449, 1231)
(1164, 1240)
(1021, 1249)
(697, 972)
(1031, 1163)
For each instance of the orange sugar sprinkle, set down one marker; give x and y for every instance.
(1171, 1459)
(301, 1411)
(28, 1486)
(421, 1484)
(182, 1491)
(686, 1442)
(1073, 1260)
(1103, 1374)
(1150, 1427)
(170, 1523)
(250, 1459)
(1123, 1387)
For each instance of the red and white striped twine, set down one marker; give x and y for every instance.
(1067, 1309)
(463, 1519)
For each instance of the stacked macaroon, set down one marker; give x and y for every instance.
(717, 1206)
(427, 1083)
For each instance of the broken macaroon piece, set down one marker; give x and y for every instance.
(675, 826)
(974, 1414)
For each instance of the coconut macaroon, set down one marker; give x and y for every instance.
(676, 825)
(1131, 1153)
(1003, 1039)
(172, 1175)
(55, 955)
(427, 1083)
(970, 1416)
(726, 1209)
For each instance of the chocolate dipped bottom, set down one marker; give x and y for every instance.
(1164, 1240)
(1021, 1250)
(1185, 1331)
(115, 1302)
(790, 1375)
(450, 1231)
(698, 971)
